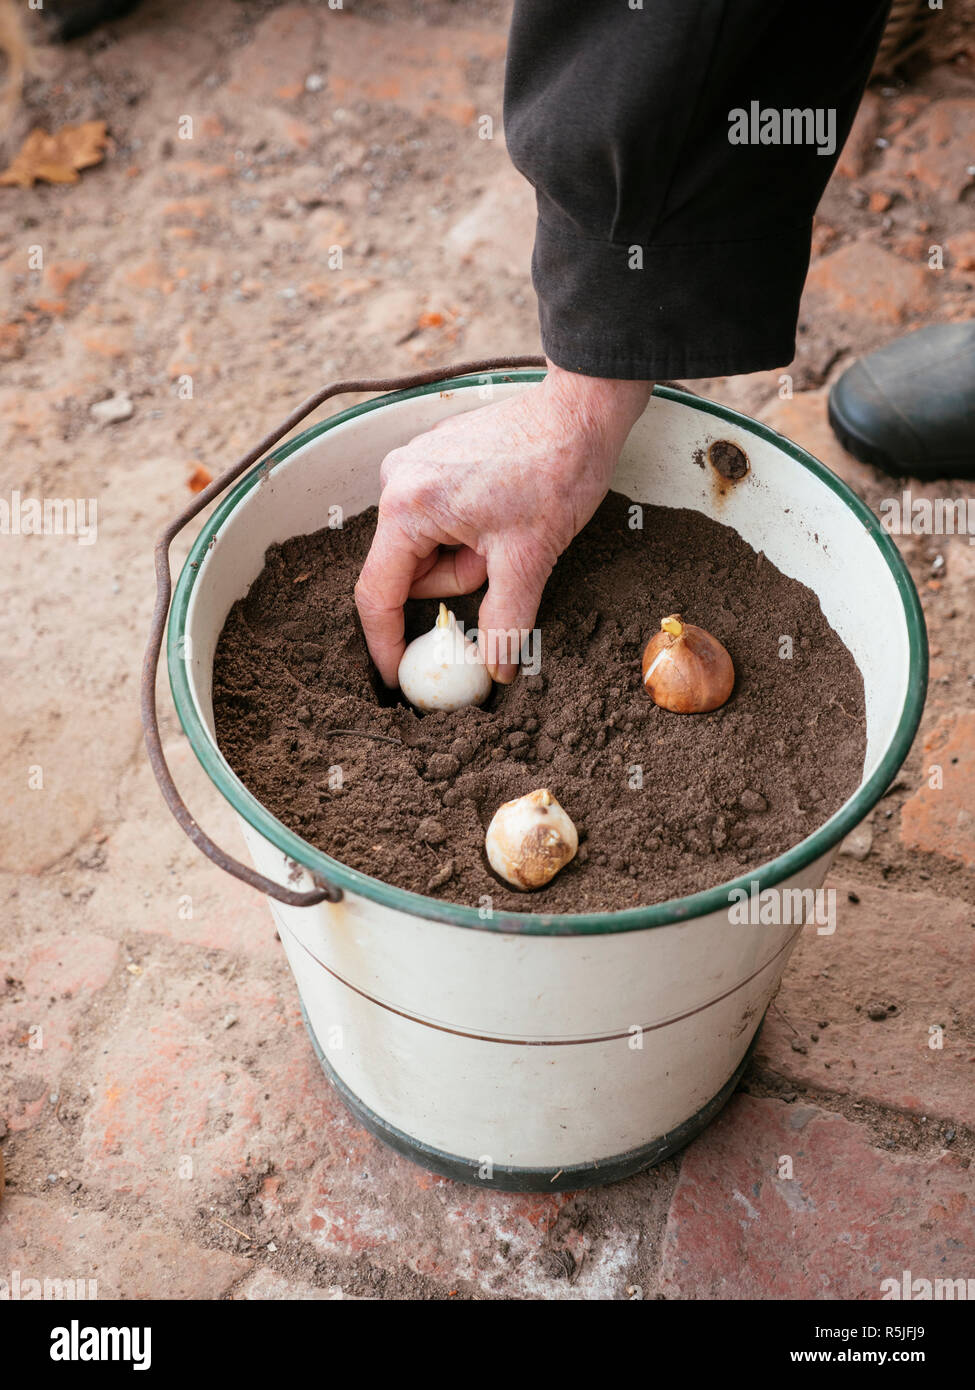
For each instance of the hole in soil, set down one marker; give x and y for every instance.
(386, 698)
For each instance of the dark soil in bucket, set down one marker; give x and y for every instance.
(665, 804)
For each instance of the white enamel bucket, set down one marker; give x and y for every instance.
(536, 1052)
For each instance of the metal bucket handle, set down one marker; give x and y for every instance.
(326, 891)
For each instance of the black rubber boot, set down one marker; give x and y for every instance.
(909, 407)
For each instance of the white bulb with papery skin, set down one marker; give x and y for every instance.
(530, 839)
(443, 669)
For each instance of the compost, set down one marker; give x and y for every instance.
(665, 804)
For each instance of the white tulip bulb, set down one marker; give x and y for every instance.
(444, 669)
(530, 839)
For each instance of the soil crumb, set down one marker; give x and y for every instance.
(665, 804)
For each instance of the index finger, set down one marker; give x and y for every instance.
(381, 590)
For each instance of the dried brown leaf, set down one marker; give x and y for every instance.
(57, 158)
(200, 478)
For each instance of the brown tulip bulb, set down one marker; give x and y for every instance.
(685, 669)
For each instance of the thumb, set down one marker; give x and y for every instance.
(516, 579)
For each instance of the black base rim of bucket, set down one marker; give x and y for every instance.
(597, 1173)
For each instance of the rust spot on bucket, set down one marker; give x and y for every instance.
(728, 461)
(729, 465)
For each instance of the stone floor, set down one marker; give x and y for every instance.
(164, 1124)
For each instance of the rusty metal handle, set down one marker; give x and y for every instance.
(326, 892)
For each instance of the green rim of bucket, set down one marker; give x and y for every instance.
(715, 899)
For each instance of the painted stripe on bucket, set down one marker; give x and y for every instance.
(543, 1042)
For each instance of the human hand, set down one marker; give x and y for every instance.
(495, 493)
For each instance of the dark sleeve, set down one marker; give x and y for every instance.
(663, 248)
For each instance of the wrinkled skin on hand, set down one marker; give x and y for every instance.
(495, 493)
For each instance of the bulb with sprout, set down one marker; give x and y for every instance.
(685, 669)
(443, 669)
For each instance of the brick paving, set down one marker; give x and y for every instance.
(788, 1201)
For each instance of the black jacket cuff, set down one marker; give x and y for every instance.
(690, 311)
